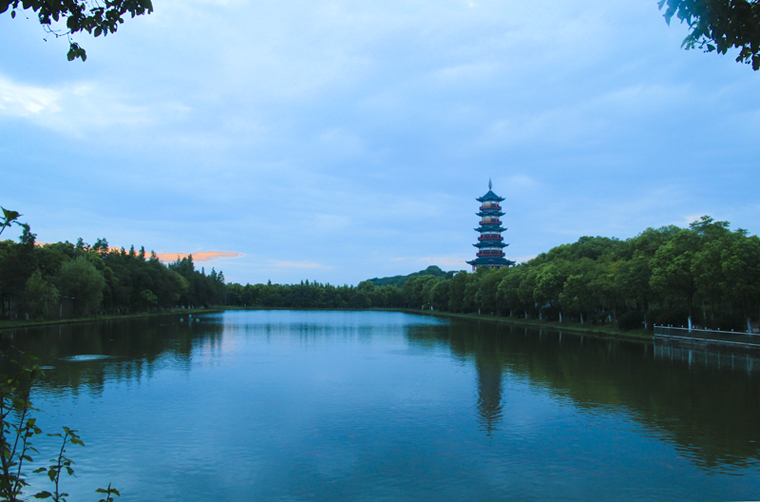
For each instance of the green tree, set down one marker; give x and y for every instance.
(487, 297)
(606, 285)
(439, 296)
(672, 268)
(719, 25)
(414, 290)
(526, 290)
(633, 282)
(508, 291)
(550, 280)
(741, 269)
(456, 291)
(80, 280)
(147, 300)
(578, 296)
(40, 296)
(77, 16)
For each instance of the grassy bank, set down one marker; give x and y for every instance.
(6, 324)
(605, 331)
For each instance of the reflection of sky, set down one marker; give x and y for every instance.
(291, 413)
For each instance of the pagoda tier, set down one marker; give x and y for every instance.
(490, 243)
(488, 253)
(494, 244)
(490, 221)
(490, 237)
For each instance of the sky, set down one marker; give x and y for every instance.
(341, 140)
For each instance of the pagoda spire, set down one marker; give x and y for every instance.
(490, 185)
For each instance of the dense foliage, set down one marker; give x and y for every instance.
(720, 25)
(705, 273)
(78, 16)
(399, 280)
(65, 280)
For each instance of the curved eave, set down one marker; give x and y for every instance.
(498, 214)
(490, 228)
(481, 261)
(490, 244)
(490, 196)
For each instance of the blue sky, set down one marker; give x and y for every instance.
(338, 141)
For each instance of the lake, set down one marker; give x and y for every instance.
(333, 405)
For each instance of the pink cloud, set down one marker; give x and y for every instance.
(203, 256)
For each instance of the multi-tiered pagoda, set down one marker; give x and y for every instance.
(490, 243)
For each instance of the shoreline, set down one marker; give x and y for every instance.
(6, 325)
(639, 335)
(603, 331)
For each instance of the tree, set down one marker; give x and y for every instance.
(550, 279)
(507, 293)
(456, 291)
(741, 268)
(40, 296)
(672, 271)
(719, 25)
(486, 296)
(577, 296)
(82, 281)
(79, 16)
(439, 296)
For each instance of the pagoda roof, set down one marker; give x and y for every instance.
(489, 196)
(490, 260)
(490, 212)
(490, 228)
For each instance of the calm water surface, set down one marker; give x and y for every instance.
(314, 405)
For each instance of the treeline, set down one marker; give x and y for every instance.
(78, 280)
(385, 292)
(399, 280)
(704, 274)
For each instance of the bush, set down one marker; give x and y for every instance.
(727, 322)
(675, 317)
(631, 320)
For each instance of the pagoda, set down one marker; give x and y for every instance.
(490, 243)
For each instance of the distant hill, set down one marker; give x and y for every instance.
(399, 280)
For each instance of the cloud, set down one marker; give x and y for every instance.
(444, 261)
(22, 100)
(83, 108)
(301, 264)
(523, 259)
(203, 256)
